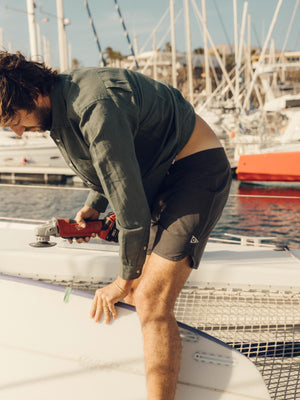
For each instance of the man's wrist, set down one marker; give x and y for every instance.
(123, 283)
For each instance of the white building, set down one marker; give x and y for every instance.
(162, 61)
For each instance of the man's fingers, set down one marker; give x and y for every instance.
(99, 309)
(100, 305)
(80, 221)
(93, 307)
(106, 314)
(113, 311)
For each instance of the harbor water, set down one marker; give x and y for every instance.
(271, 210)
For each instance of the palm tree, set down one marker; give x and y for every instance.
(112, 56)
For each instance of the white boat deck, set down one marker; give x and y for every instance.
(247, 296)
(224, 265)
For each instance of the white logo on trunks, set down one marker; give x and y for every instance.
(194, 240)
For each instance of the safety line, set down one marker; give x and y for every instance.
(215, 239)
(288, 250)
(22, 219)
(86, 189)
(43, 187)
(263, 196)
(102, 59)
(126, 34)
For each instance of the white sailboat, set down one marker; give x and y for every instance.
(246, 295)
(33, 157)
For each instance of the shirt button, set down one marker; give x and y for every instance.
(57, 140)
(70, 164)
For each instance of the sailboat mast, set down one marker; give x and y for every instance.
(32, 30)
(206, 61)
(173, 44)
(282, 60)
(239, 56)
(1, 39)
(189, 50)
(154, 55)
(62, 40)
(236, 46)
(262, 55)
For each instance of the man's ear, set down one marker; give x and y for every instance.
(42, 101)
(38, 100)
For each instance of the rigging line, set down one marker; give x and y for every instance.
(15, 9)
(102, 62)
(238, 242)
(210, 62)
(42, 11)
(22, 219)
(160, 43)
(126, 34)
(289, 29)
(262, 55)
(13, 185)
(230, 46)
(288, 250)
(218, 88)
(233, 55)
(42, 187)
(265, 196)
(256, 36)
(297, 39)
(224, 29)
(213, 47)
(155, 29)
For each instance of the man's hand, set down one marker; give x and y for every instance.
(106, 298)
(84, 213)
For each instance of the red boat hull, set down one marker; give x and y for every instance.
(281, 167)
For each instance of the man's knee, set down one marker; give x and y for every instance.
(152, 306)
(161, 282)
(143, 301)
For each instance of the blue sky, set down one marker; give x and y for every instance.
(141, 17)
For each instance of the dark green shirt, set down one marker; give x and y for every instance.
(120, 132)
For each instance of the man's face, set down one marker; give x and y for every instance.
(39, 120)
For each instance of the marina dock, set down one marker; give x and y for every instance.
(36, 174)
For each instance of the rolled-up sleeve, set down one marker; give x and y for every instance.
(96, 200)
(108, 132)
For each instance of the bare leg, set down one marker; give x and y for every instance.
(154, 297)
(129, 299)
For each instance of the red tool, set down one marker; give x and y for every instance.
(68, 228)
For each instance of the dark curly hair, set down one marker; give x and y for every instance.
(21, 81)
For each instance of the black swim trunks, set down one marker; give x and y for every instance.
(189, 204)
